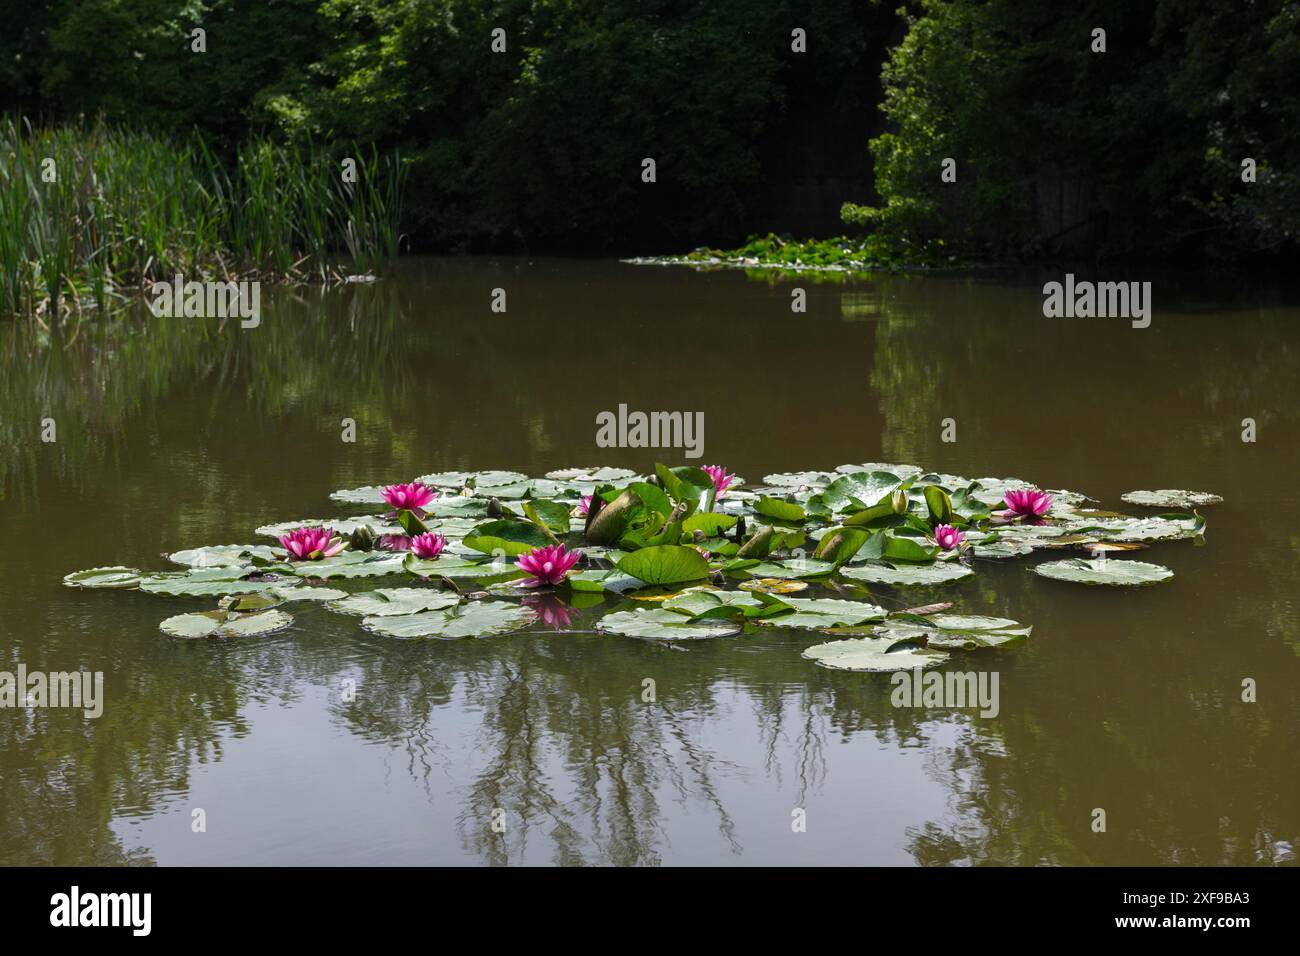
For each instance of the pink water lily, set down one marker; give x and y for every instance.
(412, 497)
(428, 545)
(547, 565)
(721, 479)
(947, 537)
(584, 505)
(312, 544)
(1027, 503)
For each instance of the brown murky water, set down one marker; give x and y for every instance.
(176, 433)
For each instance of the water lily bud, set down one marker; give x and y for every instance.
(363, 539)
(898, 502)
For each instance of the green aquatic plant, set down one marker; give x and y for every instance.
(679, 554)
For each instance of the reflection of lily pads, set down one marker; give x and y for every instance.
(873, 654)
(225, 624)
(1171, 498)
(1105, 571)
(114, 577)
(908, 575)
(657, 624)
(383, 602)
(475, 619)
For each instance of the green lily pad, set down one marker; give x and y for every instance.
(225, 624)
(475, 619)
(452, 566)
(352, 564)
(908, 575)
(1171, 498)
(114, 577)
(342, 526)
(308, 593)
(245, 603)
(826, 612)
(1105, 571)
(796, 479)
(665, 564)
(954, 631)
(512, 538)
(695, 602)
(792, 568)
(873, 654)
(596, 579)
(601, 475)
(383, 602)
(224, 555)
(657, 624)
(205, 582)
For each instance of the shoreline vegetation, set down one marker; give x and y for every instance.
(827, 259)
(91, 214)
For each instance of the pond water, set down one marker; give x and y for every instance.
(174, 433)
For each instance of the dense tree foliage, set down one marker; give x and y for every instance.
(1137, 149)
(1057, 147)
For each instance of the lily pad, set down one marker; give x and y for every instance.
(1171, 498)
(776, 586)
(908, 575)
(874, 654)
(225, 624)
(658, 624)
(594, 475)
(114, 577)
(224, 555)
(451, 566)
(352, 564)
(1105, 571)
(665, 564)
(383, 602)
(826, 612)
(954, 631)
(475, 619)
(205, 582)
(308, 593)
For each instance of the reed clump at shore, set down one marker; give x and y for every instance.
(90, 214)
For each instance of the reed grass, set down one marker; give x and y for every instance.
(124, 209)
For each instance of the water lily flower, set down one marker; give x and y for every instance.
(412, 497)
(721, 480)
(428, 545)
(947, 537)
(584, 506)
(1027, 503)
(547, 565)
(312, 544)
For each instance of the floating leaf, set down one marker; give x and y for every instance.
(225, 624)
(389, 601)
(352, 564)
(595, 475)
(205, 582)
(475, 619)
(953, 631)
(244, 603)
(308, 593)
(658, 624)
(774, 586)
(778, 509)
(665, 564)
(114, 577)
(826, 612)
(1171, 498)
(225, 555)
(873, 654)
(908, 575)
(451, 566)
(1104, 571)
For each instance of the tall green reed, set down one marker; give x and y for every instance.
(88, 214)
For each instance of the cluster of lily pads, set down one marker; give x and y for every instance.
(685, 553)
